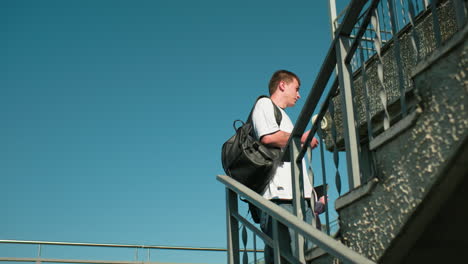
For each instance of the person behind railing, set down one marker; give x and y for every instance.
(284, 92)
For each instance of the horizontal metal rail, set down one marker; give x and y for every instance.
(50, 260)
(325, 242)
(40, 259)
(115, 245)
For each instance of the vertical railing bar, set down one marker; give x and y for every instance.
(397, 23)
(245, 256)
(39, 254)
(232, 227)
(435, 23)
(397, 56)
(356, 117)
(368, 44)
(324, 179)
(310, 172)
(426, 4)
(39, 251)
(350, 133)
(255, 247)
(333, 18)
(380, 74)
(414, 35)
(382, 15)
(366, 98)
(403, 13)
(298, 194)
(460, 13)
(358, 62)
(331, 109)
(354, 61)
(358, 58)
(149, 255)
(136, 254)
(362, 28)
(276, 241)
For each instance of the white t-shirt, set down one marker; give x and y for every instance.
(264, 123)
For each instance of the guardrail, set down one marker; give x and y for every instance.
(41, 244)
(280, 216)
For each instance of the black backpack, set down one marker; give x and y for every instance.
(247, 160)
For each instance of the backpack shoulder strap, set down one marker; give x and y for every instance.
(278, 115)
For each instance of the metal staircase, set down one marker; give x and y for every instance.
(377, 104)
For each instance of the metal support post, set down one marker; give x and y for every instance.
(255, 247)
(332, 10)
(324, 180)
(349, 120)
(460, 13)
(232, 227)
(39, 252)
(298, 194)
(397, 56)
(435, 23)
(276, 241)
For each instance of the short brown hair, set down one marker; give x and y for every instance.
(281, 75)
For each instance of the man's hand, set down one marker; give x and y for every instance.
(323, 199)
(320, 205)
(313, 143)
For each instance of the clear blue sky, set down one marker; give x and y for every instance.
(113, 113)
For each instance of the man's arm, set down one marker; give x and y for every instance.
(280, 139)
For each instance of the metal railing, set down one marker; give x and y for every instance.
(367, 45)
(136, 248)
(280, 216)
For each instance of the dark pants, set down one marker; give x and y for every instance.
(286, 235)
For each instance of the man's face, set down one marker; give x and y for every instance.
(291, 92)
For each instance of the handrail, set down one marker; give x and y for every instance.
(328, 66)
(320, 116)
(325, 242)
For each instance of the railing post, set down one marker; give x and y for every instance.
(397, 57)
(435, 23)
(332, 13)
(232, 227)
(276, 242)
(324, 179)
(255, 247)
(460, 13)
(349, 119)
(298, 194)
(39, 252)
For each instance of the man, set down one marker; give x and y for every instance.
(284, 93)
